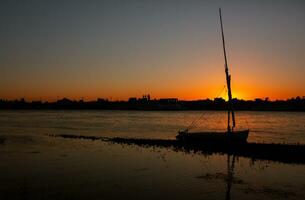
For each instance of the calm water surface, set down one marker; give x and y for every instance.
(36, 166)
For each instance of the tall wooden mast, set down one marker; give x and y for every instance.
(228, 79)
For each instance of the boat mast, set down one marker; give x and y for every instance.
(228, 79)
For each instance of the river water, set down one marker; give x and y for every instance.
(37, 166)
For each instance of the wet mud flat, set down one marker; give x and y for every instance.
(284, 153)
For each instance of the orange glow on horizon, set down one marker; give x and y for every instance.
(191, 91)
(183, 87)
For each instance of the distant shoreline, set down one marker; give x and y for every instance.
(170, 104)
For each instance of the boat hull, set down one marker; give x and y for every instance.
(240, 136)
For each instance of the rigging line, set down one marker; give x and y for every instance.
(221, 91)
(193, 124)
(196, 124)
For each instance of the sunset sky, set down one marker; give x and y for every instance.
(165, 48)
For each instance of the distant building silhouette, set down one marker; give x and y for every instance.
(132, 100)
(145, 103)
(168, 100)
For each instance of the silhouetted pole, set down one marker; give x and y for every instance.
(228, 79)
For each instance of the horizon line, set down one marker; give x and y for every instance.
(141, 98)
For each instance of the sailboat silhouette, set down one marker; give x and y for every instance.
(230, 135)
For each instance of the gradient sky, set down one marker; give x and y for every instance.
(117, 49)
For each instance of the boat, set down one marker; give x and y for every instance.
(230, 135)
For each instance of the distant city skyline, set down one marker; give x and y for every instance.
(168, 49)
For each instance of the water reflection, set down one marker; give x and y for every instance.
(229, 179)
(95, 169)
